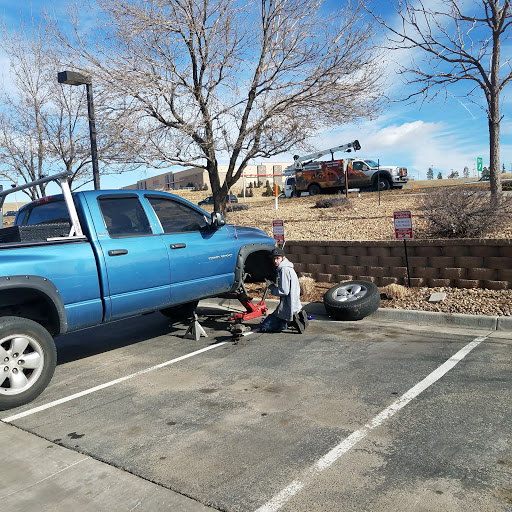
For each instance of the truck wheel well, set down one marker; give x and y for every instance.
(253, 265)
(31, 304)
(258, 267)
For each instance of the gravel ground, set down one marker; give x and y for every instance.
(468, 301)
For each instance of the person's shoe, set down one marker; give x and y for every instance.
(297, 323)
(303, 317)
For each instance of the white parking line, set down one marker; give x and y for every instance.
(107, 384)
(328, 459)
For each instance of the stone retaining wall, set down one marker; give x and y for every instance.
(459, 263)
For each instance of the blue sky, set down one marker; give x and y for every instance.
(447, 135)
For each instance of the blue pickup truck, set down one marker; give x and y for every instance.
(76, 260)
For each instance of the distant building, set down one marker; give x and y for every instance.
(197, 178)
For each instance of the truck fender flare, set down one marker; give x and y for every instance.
(44, 286)
(387, 174)
(243, 254)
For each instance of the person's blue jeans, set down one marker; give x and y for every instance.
(273, 324)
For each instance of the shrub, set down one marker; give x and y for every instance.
(394, 291)
(268, 191)
(306, 285)
(463, 212)
(332, 202)
(235, 207)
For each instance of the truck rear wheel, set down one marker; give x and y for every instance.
(314, 190)
(28, 358)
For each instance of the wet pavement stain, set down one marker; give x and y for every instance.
(74, 435)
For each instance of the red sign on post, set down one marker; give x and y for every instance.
(278, 229)
(403, 224)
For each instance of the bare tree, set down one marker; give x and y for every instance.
(210, 79)
(44, 125)
(23, 152)
(453, 43)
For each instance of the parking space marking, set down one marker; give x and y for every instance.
(332, 456)
(49, 405)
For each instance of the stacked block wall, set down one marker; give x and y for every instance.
(461, 263)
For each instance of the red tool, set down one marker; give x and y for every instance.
(252, 310)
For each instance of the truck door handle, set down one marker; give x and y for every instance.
(178, 246)
(117, 252)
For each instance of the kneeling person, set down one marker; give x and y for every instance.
(287, 288)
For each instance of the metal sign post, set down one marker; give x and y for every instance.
(403, 231)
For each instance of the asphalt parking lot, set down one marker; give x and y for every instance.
(367, 415)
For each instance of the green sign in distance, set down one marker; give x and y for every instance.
(479, 164)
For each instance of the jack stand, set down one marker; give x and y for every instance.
(195, 331)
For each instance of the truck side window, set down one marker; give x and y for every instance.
(176, 217)
(124, 217)
(357, 166)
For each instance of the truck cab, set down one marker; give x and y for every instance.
(365, 173)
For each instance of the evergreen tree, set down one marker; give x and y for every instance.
(430, 173)
(439, 175)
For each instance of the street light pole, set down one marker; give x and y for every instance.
(74, 78)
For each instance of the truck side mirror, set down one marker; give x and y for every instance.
(217, 220)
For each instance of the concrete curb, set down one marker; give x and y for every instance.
(493, 323)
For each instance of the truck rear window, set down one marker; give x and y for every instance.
(47, 213)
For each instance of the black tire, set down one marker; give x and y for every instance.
(297, 193)
(28, 356)
(314, 189)
(352, 300)
(181, 313)
(382, 184)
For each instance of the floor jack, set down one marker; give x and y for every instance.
(252, 311)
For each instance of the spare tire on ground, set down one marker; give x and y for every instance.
(352, 300)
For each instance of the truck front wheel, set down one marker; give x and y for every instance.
(28, 358)
(381, 183)
(314, 190)
(352, 300)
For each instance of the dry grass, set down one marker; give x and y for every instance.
(307, 285)
(394, 291)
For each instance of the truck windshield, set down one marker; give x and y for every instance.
(371, 163)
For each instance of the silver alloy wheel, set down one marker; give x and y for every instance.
(22, 361)
(349, 292)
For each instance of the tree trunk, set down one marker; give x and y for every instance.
(494, 121)
(494, 157)
(219, 191)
